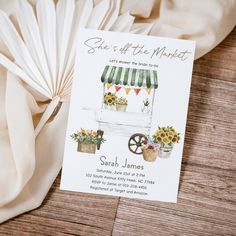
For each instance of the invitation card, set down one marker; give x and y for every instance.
(127, 115)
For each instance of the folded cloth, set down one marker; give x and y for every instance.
(33, 111)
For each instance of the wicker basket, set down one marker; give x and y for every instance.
(150, 154)
(87, 147)
(120, 107)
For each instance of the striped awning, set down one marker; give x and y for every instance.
(130, 77)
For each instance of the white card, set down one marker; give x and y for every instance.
(128, 115)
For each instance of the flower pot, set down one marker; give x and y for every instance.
(150, 154)
(121, 107)
(146, 109)
(109, 107)
(87, 147)
(165, 151)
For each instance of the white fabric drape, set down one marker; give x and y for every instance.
(36, 74)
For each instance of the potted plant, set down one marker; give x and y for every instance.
(150, 150)
(146, 106)
(121, 104)
(87, 140)
(167, 137)
(110, 100)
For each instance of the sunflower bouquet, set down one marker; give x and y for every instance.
(110, 99)
(167, 137)
(87, 140)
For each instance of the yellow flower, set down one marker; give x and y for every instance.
(174, 140)
(165, 140)
(109, 98)
(162, 134)
(166, 135)
(157, 132)
(158, 139)
(83, 131)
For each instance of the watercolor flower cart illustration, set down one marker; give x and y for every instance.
(162, 142)
(114, 117)
(88, 140)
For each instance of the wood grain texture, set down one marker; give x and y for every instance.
(207, 194)
(66, 213)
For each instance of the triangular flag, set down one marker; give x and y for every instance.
(148, 90)
(127, 90)
(137, 91)
(118, 88)
(109, 86)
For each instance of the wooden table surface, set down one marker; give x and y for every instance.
(207, 194)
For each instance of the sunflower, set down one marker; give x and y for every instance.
(158, 139)
(173, 130)
(109, 98)
(162, 134)
(165, 140)
(174, 140)
(157, 132)
(160, 130)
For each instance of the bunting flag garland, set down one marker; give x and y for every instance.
(148, 90)
(127, 90)
(137, 90)
(109, 85)
(118, 88)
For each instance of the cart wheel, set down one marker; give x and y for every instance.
(135, 143)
